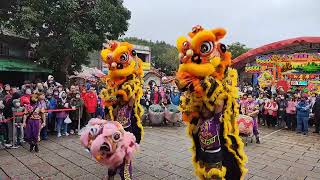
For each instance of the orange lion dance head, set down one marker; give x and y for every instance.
(121, 59)
(202, 55)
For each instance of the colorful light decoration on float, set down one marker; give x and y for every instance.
(252, 69)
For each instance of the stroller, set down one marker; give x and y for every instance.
(156, 115)
(172, 114)
(245, 124)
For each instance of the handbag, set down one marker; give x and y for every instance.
(67, 120)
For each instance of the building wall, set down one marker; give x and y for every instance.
(17, 48)
(95, 60)
(151, 77)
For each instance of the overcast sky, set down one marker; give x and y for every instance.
(252, 22)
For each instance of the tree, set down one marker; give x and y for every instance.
(169, 60)
(237, 49)
(164, 56)
(64, 32)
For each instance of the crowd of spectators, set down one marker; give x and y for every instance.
(58, 103)
(296, 110)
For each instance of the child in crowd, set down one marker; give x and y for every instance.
(33, 118)
(18, 113)
(76, 103)
(62, 103)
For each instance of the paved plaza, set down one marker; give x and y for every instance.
(164, 154)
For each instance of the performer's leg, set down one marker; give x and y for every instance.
(126, 171)
(255, 130)
(111, 174)
(137, 131)
(35, 134)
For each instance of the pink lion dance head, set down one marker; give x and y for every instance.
(108, 143)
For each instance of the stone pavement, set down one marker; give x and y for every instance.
(164, 155)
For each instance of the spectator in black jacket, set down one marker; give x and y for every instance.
(316, 111)
(8, 114)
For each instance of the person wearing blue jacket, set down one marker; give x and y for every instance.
(52, 104)
(303, 110)
(175, 97)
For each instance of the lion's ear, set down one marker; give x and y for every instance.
(191, 34)
(104, 53)
(219, 33)
(180, 42)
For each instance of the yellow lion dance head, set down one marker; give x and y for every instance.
(202, 55)
(121, 59)
(265, 79)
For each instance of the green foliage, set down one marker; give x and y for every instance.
(308, 68)
(156, 108)
(164, 56)
(65, 31)
(237, 49)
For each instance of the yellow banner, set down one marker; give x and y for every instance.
(146, 66)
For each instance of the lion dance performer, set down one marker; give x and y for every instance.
(209, 106)
(124, 88)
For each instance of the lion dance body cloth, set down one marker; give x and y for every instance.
(110, 145)
(209, 106)
(124, 86)
(113, 142)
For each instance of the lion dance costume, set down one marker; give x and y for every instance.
(209, 106)
(121, 98)
(110, 145)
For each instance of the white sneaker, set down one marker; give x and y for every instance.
(67, 134)
(71, 132)
(59, 135)
(7, 145)
(14, 147)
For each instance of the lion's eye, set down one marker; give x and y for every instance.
(124, 57)
(116, 136)
(206, 47)
(223, 48)
(93, 131)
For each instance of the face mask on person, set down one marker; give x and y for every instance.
(63, 95)
(42, 97)
(56, 93)
(282, 97)
(28, 91)
(78, 96)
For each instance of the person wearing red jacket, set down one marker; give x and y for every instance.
(91, 102)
